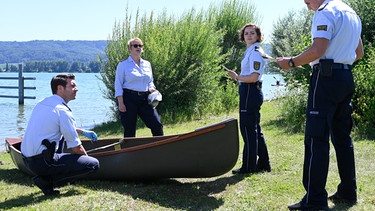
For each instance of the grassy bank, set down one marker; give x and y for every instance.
(264, 191)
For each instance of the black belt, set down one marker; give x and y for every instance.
(136, 92)
(250, 84)
(35, 157)
(257, 85)
(336, 66)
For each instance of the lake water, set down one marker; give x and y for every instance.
(89, 108)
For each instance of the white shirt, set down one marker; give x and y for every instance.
(131, 76)
(50, 119)
(253, 61)
(337, 22)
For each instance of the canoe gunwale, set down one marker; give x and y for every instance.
(161, 142)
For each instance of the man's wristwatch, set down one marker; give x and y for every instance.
(291, 63)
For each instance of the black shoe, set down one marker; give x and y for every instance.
(302, 206)
(45, 186)
(263, 166)
(240, 171)
(264, 169)
(336, 198)
(63, 183)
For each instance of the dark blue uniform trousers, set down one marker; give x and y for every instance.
(328, 113)
(64, 168)
(137, 104)
(251, 99)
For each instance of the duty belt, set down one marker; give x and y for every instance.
(257, 84)
(136, 92)
(336, 66)
(35, 157)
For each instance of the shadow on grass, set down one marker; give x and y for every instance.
(171, 193)
(184, 194)
(33, 198)
(15, 176)
(358, 133)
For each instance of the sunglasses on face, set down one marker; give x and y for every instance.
(137, 46)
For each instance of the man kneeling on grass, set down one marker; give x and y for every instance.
(50, 126)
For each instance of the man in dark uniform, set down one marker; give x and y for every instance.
(336, 31)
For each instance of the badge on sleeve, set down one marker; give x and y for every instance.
(322, 28)
(256, 65)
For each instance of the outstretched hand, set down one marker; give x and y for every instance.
(90, 135)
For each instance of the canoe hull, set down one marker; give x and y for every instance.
(206, 152)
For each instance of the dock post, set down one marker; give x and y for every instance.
(21, 85)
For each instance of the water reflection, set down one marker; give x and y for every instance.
(21, 119)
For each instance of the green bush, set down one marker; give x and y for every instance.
(364, 97)
(230, 17)
(186, 55)
(293, 107)
(365, 9)
(290, 37)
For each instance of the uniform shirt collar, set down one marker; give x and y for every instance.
(130, 59)
(324, 4)
(60, 98)
(256, 44)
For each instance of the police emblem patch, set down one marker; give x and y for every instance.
(322, 28)
(256, 65)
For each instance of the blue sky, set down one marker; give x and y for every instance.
(25, 20)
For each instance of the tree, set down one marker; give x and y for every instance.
(76, 67)
(229, 17)
(95, 66)
(60, 66)
(13, 68)
(364, 78)
(365, 9)
(291, 35)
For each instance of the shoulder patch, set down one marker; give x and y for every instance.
(322, 28)
(256, 65)
(256, 48)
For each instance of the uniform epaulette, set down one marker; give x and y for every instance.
(258, 49)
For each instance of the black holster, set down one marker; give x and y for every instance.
(325, 67)
(259, 85)
(50, 151)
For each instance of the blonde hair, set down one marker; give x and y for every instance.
(130, 42)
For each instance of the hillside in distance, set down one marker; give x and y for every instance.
(51, 50)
